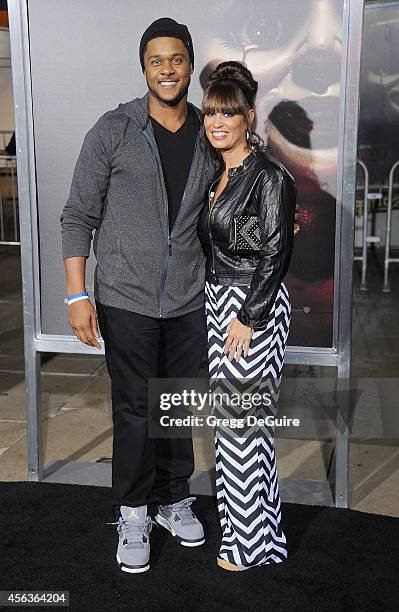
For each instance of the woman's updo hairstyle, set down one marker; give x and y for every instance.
(231, 88)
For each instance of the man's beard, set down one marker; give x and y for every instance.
(176, 99)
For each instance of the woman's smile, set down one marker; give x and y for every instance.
(219, 135)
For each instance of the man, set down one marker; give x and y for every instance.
(140, 181)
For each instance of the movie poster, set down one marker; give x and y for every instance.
(293, 48)
(294, 51)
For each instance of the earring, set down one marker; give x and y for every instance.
(248, 135)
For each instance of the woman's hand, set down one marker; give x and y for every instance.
(238, 339)
(297, 227)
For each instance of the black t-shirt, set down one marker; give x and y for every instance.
(176, 150)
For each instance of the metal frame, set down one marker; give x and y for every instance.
(339, 355)
(346, 196)
(20, 62)
(374, 4)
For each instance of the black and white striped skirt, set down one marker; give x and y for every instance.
(246, 474)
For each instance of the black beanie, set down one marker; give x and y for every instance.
(166, 27)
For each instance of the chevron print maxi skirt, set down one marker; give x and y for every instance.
(246, 474)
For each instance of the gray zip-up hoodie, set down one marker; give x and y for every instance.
(118, 190)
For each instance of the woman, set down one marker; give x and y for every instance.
(247, 231)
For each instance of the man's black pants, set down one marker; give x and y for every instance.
(148, 470)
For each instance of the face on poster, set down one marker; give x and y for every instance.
(293, 49)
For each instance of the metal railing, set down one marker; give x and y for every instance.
(367, 239)
(387, 258)
(363, 256)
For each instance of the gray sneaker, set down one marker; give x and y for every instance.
(182, 523)
(134, 526)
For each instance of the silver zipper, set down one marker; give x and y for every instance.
(154, 147)
(210, 233)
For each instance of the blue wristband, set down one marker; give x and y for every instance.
(82, 295)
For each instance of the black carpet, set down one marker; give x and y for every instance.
(55, 537)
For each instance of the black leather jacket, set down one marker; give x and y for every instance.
(261, 186)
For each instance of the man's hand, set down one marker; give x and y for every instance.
(238, 339)
(83, 320)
